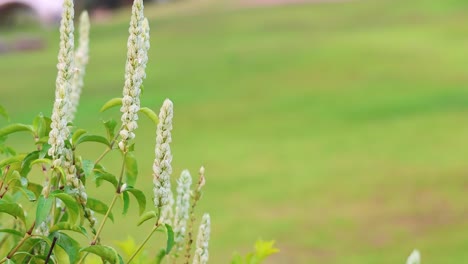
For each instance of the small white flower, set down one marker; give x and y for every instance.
(414, 258)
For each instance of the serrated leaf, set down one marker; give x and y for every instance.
(44, 205)
(170, 238)
(93, 138)
(105, 252)
(12, 232)
(146, 216)
(100, 176)
(69, 227)
(88, 166)
(12, 209)
(70, 202)
(71, 246)
(98, 207)
(263, 249)
(110, 128)
(126, 202)
(11, 160)
(77, 134)
(26, 163)
(111, 103)
(131, 169)
(139, 196)
(150, 114)
(13, 128)
(4, 113)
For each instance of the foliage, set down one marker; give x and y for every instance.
(263, 249)
(43, 221)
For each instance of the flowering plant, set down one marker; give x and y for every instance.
(37, 218)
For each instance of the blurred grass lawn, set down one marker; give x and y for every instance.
(339, 130)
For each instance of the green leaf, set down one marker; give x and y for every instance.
(170, 238)
(71, 246)
(160, 256)
(111, 103)
(88, 166)
(110, 128)
(93, 138)
(40, 126)
(146, 216)
(98, 207)
(26, 163)
(13, 128)
(105, 252)
(263, 249)
(27, 193)
(11, 160)
(44, 206)
(70, 202)
(35, 188)
(12, 209)
(139, 196)
(40, 161)
(150, 114)
(69, 227)
(126, 202)
(131, 169)
(77, 134)
(12, 232)
(104, 176)
(4, 113)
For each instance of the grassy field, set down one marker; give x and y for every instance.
(339, 130)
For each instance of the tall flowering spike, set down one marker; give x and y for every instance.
(59, 130)
(414, 258)
(162, 163)
(137, 57)
(81, 60)
(182, 208)
(203, 237)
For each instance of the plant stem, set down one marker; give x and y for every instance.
(144, 242)
(103, 155)
(13, 251)
(116, 195)
(50, 250)
(108, 148)
(101, 226)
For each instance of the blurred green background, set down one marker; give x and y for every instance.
(340, 130)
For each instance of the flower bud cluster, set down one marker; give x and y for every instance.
(182, 208)
(162, 163)
(137, 57)
(203, 237)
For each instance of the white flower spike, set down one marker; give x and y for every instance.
(162, 163)
(182, 208)
(81, 60)
(203, 238)
(137, 57)
(414, 258)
